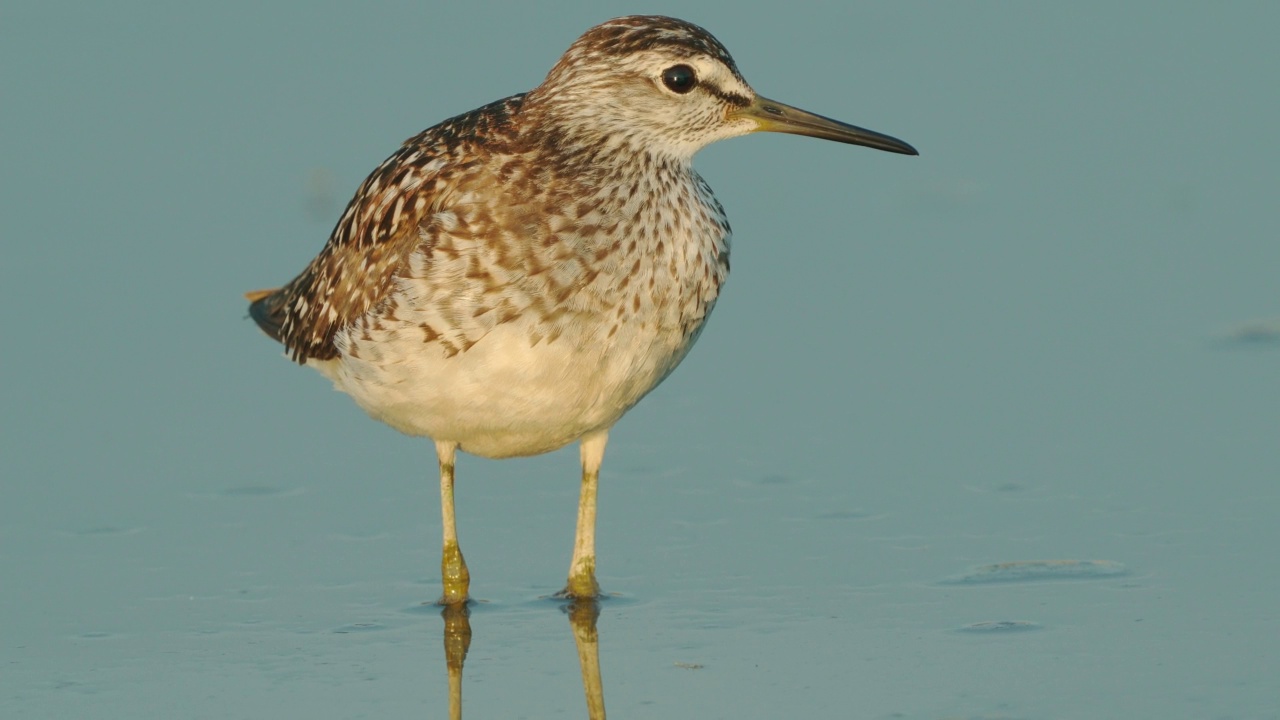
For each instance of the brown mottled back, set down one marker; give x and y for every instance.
(376, 234)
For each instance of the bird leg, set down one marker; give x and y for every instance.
(582, 571)
(453, 569)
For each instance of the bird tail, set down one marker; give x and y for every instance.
(266, 307)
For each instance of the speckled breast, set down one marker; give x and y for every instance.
(532, 316)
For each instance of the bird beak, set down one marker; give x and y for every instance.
(773, 116)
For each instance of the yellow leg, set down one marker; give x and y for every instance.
(453, 569)
(582, 571)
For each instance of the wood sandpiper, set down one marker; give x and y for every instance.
(517, 277)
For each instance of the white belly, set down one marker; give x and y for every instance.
(506, 396)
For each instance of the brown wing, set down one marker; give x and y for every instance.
(376, 234)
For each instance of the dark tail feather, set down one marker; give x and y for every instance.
(266, 307)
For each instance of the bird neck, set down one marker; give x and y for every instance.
(605, 159)
(598, 138)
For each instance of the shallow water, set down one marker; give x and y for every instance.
(987, 433)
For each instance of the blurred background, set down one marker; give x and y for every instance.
(1053, 336)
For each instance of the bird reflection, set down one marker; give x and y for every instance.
(457, 640)
(582, 618)
(583, 615)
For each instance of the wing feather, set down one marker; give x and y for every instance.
(372, 241)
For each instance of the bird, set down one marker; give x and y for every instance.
(514, 279)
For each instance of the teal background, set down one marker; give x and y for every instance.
(1054, 335)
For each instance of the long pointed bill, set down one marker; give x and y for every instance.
(773, 116)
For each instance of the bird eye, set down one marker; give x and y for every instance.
(679, 78)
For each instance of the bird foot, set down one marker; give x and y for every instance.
(454, 576)
(580, 587)
(454, 599)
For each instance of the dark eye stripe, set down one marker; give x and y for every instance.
(728, 97)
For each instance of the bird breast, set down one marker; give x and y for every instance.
(534, 313)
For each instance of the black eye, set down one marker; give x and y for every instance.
(679, 78)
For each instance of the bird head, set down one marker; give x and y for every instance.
(669, 87)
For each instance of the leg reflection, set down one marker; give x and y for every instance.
(583, 615)
(457, 640)
(582, 618)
